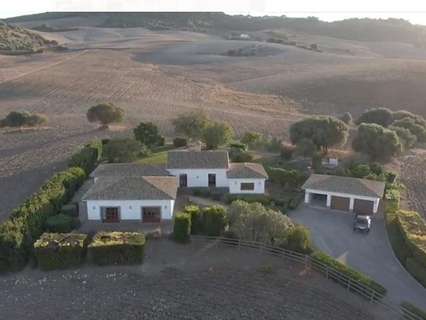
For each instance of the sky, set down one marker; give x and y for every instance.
(328, 10)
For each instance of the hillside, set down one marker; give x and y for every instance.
(216, 22)
(17, 39)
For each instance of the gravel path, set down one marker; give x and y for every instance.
(180, 282)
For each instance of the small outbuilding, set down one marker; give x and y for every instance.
(344, 193)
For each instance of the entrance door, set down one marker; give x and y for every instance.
(340, 203)
(151, 214)
(212, 180)
(364, 206)
(183, 180)
(111, 214)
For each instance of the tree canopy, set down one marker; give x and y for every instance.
(376, 141)
(147, 133)
(217, 134)
(324, 132)
(105, 113)
(123, 150)
(191, 125)
(413, 126)
(407, 139)
(381, 116)
(22, 119)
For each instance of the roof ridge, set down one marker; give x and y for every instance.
(154, 186)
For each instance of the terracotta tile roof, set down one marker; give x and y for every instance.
(348, 185)
(198, 160)
(246, 170)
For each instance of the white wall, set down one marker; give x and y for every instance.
(235, 185)
(199, 177)
(129, 209)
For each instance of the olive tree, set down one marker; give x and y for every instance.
(381, 116)
(217, 134)
(105, 114)
(324, 132)
(413, 126)
(147, 133)
(23, 119)
(407, 139)
(123, 150)
(376, 141)
(191, 125)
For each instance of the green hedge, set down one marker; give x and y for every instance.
(194, 211)
(27, 222)
(109, 248)
(288, 178)
(349, 272)
(182, 227)
(250, 198)
(70, 210)
(214, 220)
(88, 157)
(392, 199)
(60, 223)
(60, 250)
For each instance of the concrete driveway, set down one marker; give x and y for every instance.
(370, 253)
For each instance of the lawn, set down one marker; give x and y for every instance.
(157, 157)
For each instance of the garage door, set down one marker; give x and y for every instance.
(363, 206)
(340, 203)
(151, 214)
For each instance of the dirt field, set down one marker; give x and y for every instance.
(156, 75)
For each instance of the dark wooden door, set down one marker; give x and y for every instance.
(151, 214)
(363, 206)
(111, 214)
(212, 180)
(340, 203)
(183, 180)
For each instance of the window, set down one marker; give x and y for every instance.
(111, 214)
(151, 214)
(212, 180)
(247, 186)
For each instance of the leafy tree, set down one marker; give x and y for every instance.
(407, 139)
(123, 150)
(191, 124)
(217, 134)
(415, 128)
(401, 114)
(360, 170)
(299, 240)
(376, 141)
(252, 139)
(346, 117)
(147, 134)
(105, 114)
(322, 131)
(305, 148)
(380, 116)
(22, 119)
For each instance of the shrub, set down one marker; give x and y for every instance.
(238, 145)
(105, 113)
(349, 272)
(346, 117)
(360, 170)
(60, 223)
(250, 198)
(194, 211)
(180, 142)
(299, 240)
(287, 152)
(182, 227)
(59, 251)
(392, 197)
(117, 248)
(214, 220)
(217, 134)
(417, 129)
(88, 157)
(191, 125)
(22, 119)
(288, 178)
(70, 210)
(380, 116)
(203, 192)
(237, 155)
(252, 139)
(13, 252)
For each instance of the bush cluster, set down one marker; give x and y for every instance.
(180, 142)
(22, 119)
(60, 223)
(349, 272)
(117, 248)
(27, 222)
(88, 157)
(60, 251)
(214, 220)
(290, 179)
(182, 227)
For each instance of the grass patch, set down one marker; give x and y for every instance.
(158, 156)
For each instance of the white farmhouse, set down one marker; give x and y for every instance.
(213, 169)
(133, 192)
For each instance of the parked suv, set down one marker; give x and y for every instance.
(362, 223)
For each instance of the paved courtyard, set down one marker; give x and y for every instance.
(196, 281)
(370, 253)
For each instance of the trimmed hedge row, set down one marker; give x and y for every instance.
(88, 157)
(117, 248)
(27, 222)
(60, 251)
(353, 274)
(182, 227)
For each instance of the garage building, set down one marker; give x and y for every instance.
(344, 193)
